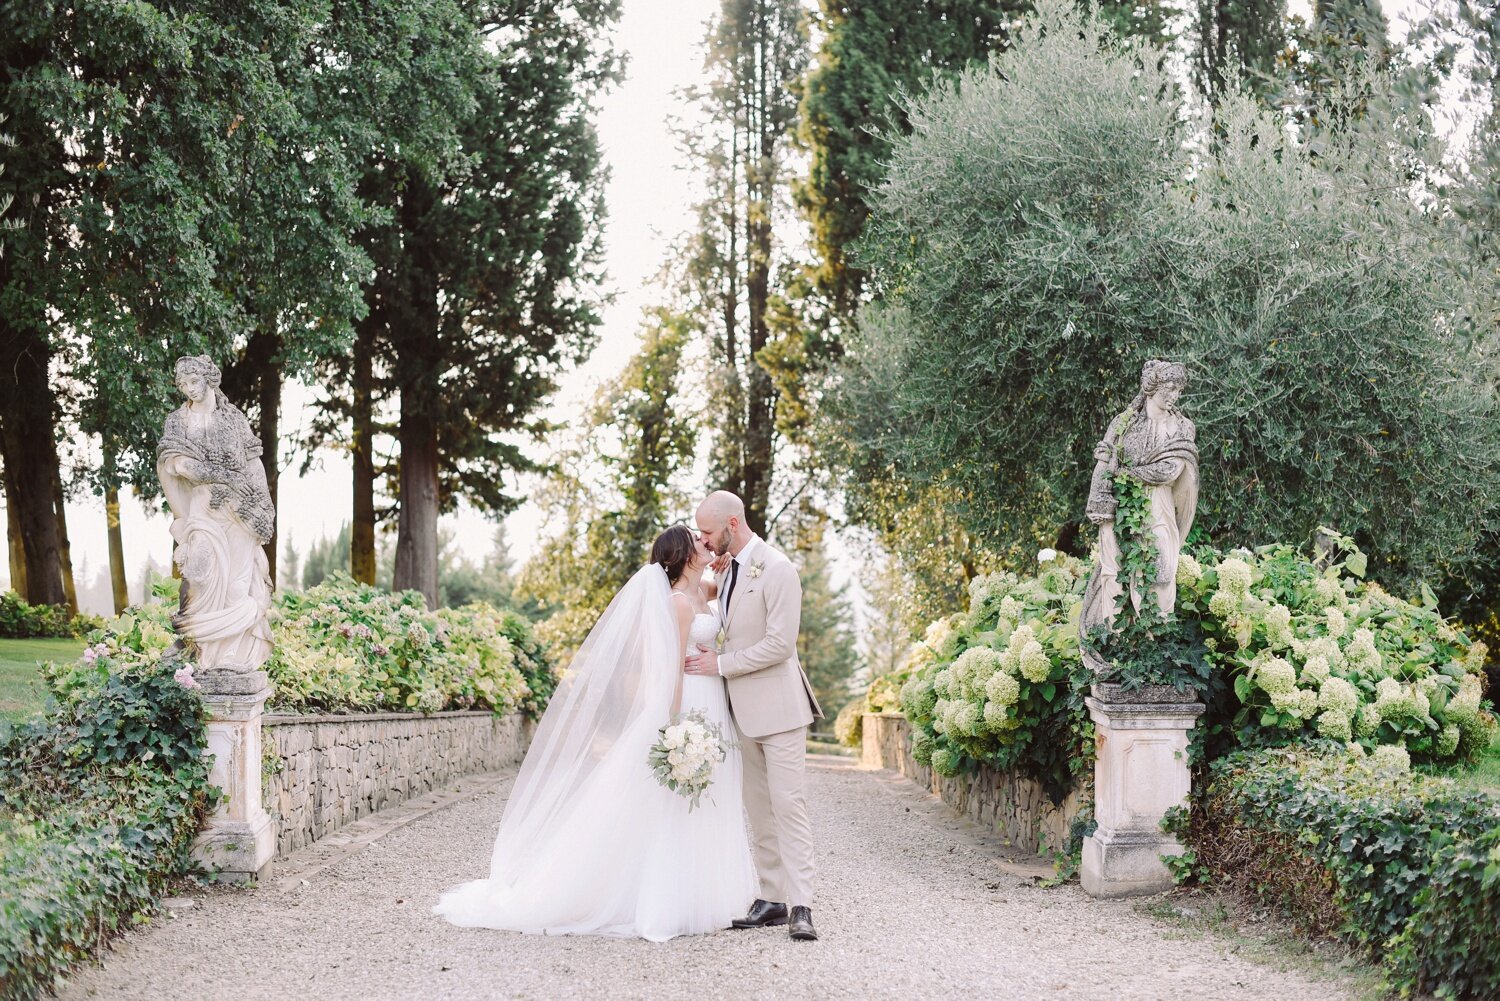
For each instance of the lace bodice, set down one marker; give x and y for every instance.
(704, 630)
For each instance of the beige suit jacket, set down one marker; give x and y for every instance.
(768, 690)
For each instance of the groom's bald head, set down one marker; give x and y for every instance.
(721, 522)
(723, 504)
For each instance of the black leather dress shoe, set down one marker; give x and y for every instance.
(801, 927)
(763, 914)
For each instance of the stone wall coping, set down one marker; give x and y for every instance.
(292, 719)
(1173, 715)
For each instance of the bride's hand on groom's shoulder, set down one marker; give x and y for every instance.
(702, 662)
(720, 564)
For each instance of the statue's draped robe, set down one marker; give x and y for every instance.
(1165, 458)
(219, 524)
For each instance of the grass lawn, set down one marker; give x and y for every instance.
(21, 691)
(1485, 775)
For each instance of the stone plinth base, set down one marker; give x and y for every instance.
(1126, 865)
(1140, 773)
(235, 852)
(240, 839)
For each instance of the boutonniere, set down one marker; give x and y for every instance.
(756, 569)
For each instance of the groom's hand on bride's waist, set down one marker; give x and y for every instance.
(703, 662)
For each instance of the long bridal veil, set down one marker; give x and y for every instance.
(584, 801)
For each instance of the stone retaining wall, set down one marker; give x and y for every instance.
(1003, 802)
(336, 769)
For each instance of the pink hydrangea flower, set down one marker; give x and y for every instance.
(184, 677)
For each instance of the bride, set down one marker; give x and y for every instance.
(590, 843)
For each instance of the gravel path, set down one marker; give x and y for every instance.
(912, 904)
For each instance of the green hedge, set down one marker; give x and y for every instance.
(1403, 865)
(20, 621)
(100, 801)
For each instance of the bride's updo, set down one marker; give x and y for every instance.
(673, 550)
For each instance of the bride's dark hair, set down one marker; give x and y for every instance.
(673, 549)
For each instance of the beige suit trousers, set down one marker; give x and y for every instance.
(775, 781)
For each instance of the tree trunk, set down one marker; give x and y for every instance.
(362, 530)
(29, 454)
(256, 376)
(64, 548)
(416, 533)
(1070, 539)
(760, 183)
(414, 337)
(116, 550)
(270, 443)
(13, 538)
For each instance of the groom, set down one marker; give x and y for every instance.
(760, 611)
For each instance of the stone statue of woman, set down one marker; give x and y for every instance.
(209, 464)
(1153, 442)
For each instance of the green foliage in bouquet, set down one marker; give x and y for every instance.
(1403, 865)
(100, 800)
(997, 684)
(685, 754)
(1313, 650)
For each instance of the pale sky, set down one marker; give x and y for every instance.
(649, 196)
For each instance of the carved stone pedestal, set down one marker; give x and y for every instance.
(1141, 772)
(239, 840)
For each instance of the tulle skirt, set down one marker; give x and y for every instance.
(630, 860)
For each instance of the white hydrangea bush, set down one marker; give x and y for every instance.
(996, 676)
(1318, 651)
(1304, 652)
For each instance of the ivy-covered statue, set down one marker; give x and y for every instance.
(1143, 497)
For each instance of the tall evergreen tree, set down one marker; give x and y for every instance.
(326, 557)
(185, 178)
(825, 642)
(492, 581)
(889, 624)
(615, 489)
(1240, 38)
(756, 54)
(871, 53)
(490, 271)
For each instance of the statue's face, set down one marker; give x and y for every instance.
(192, 385)
(1167, 394)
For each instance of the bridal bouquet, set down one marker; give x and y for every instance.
(684, 755)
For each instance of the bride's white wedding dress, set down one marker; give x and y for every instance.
(590, 843)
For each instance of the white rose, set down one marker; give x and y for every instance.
(1046, 556)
